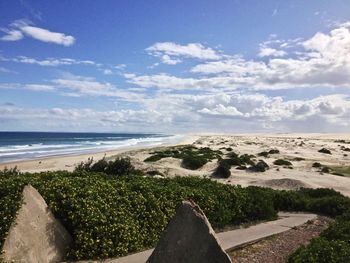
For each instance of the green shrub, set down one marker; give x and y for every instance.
(193, 162)
(338, 230)
(321, 250)
(320, 192)
(282, 162)
(247, 159)
(316, 165)
(274, 151)
(109, 218)
(260, 166)
(298, 159)
(324, 150)
(192, 157)
(223, 170)
(325, 169)
(290, 201)
(153, 158)
(9, 171)
(329, 205)
(264, 154)
(117, 167)
(259, 203)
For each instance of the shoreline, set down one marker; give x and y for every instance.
(68, 161)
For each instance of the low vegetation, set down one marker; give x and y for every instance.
(282, 162)
(341, 170)
(345, 149)
(298, 159)
(333, 245)
(325, 150)
(335, 170)
(117, 167)
(192, 157)
(260, 166)
(223, 169)
(267, 153)
(110, 215)
(9, 171)
(342, 141)
(241, 162)
(316, 165)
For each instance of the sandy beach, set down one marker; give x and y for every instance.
(70, 161)
(300, 149)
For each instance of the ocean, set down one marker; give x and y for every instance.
(17, 146)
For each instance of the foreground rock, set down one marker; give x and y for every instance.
(190, 238)
(35, 236)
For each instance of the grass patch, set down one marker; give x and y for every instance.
(341, 170)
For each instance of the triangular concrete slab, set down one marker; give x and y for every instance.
(35, 236)
(188, 238)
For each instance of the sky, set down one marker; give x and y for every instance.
(175, 66)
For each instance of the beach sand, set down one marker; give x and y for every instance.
(68, 163)
(294, 145)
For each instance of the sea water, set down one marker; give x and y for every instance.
(17, 146)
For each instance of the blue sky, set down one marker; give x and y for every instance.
(175, 66)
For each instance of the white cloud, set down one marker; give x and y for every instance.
(322, 61)
(50, 62)
(5, 70)
(221, 110)
(39, 87)
(48, 36)
(107, 72)
(19, 28)
(11, 35)
(170, 52)
(77, 86)
(166, 59)
(271, 52)
(58, 119)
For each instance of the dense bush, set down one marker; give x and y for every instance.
(316, 165)
(334, 243)
(266, 154)
(109, 217)
(193, 162)
(239, 160)
(260, 166)
(260, 203)
(324, 150)
(223, 169)
(117, 167)
(9, 171)
(321, 250)
(263, 154)
(282, 162)
(338, 230)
